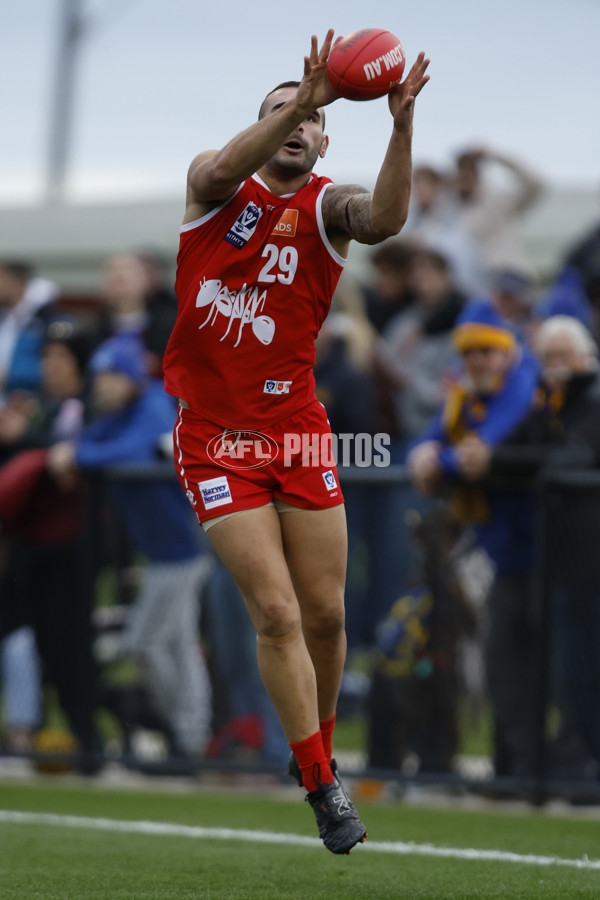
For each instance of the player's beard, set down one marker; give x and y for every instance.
(286, 165)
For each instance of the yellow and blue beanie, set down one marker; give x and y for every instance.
(479, 326)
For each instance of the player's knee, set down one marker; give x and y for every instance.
(278, 620)
(327, 622)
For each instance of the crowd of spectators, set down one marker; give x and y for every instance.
(480, 372)
(477, 358)
(81, 393)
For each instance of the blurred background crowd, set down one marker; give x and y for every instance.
(116, 620)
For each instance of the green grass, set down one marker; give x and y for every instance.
(351, 733)
(54, 863)
(475, 732)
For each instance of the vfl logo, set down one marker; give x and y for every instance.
(245, 305)
(242, 449)
(341, 803)
(329, 479)
(276, 387)
(244, 226)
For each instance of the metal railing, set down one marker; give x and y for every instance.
(538, 785)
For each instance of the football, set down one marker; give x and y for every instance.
(365, 64)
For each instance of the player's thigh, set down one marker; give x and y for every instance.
(316, 549)
(250, 546)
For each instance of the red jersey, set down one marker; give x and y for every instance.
(255, 278)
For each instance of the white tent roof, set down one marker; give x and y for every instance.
(69, 243)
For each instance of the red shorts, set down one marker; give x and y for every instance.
(224, 471)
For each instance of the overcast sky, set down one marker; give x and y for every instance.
(160, 80)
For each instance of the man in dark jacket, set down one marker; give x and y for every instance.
(561, 431)
(41, 524)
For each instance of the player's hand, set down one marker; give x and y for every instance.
(401, 98)
(315, 89)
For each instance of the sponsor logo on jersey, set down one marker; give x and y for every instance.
(244, 306)
(288, 221)
(191, 498)
(329, 479)
(244, 226)
(215, 492)
(276, 387)
(242, 449)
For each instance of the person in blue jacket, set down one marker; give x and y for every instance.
(492, 395)
(133, 415)
(27, 306)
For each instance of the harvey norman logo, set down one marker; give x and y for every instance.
(215, 492)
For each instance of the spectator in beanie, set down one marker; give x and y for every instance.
(492, 395)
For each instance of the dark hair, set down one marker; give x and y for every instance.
(69, 334)
(432, 257)
(395, 254)
(284, 84)
(17, 267)
(429, 172)
(468, 159)
(152, 256)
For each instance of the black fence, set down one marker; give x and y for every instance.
(532, 639)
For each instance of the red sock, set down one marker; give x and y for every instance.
(327, 735)
(312, 761)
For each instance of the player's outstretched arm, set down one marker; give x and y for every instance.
(215, 175)
(401, 98)
(351, 211)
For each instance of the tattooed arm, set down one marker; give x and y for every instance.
(347, 216)
(351, 212)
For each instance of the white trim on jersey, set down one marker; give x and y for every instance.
(259, 180)
(339, 259)
(189, 226)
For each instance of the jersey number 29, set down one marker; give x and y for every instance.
(284, 259)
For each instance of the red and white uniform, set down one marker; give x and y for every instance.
(255, 278)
